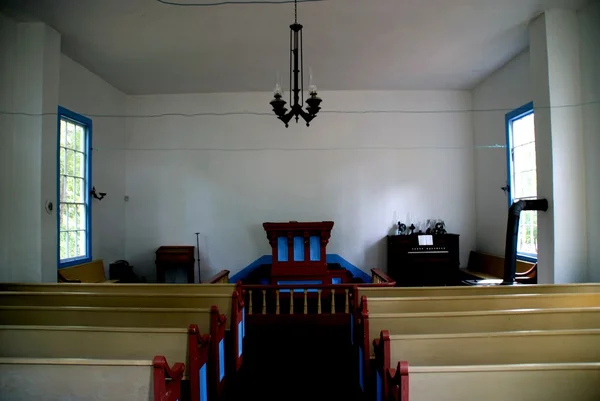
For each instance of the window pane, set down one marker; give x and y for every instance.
(70, 136)
(524, 158)
(70, 162)
(528, 232)
(61, 190)
(525, 185)
(72, 235)
(72, 217)
(79, 185)
(79, 138)
(63, 132)
(63, 217)
(80, 165)
(81, 217)
(82, 243)
(70, 189)
(63, 245)
(61, 161)
(523, 130)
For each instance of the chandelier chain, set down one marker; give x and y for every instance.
(296, 11)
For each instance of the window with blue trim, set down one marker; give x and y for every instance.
(522, 175)
(74, 184)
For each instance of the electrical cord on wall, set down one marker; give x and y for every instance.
(251, 113)
(223, 3)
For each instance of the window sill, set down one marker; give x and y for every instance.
(527, 257)
(74, 261)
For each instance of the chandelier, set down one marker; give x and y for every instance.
(297, 77)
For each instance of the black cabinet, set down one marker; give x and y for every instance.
(429, 260)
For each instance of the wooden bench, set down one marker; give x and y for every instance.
(92, 272)
(232, 304)
(117, 343)
(406, 292)
(361, 333)
(90, 379)
(465, 322)
(491, 348)
(531, 382)
(207, 320)
(126, 288)
(479, 302)
(485, 266)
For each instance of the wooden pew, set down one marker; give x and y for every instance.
(476, 321)
(117, 343)
(89, 379)
(133, 288)
(465, 322)
(228, 298)
(479, 302)
(206, 320)
(531, 382)
(491, 267)
(405, 292)
(491, 348)
(425, 305)
(91, 272)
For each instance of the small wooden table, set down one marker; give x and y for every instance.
(173, 257)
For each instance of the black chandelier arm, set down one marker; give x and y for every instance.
(287, 117)
(296, 83)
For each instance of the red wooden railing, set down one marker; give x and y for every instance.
(300, 299)
(381, 279)
(221, 277)
(167, 390)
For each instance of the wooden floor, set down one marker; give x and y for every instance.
(287, 355)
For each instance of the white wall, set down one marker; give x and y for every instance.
(589, 30)
(223, 176)
(29, 76)
(555, 66)
(503, 91)
(85, 93)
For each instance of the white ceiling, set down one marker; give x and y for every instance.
(145, 47)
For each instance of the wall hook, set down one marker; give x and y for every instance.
(97, 195)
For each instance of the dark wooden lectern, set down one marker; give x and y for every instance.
(173, 257)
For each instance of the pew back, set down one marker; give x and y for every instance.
(105, 316)
(477, 349)
(531, 382)
(405, 292)
(117, 343)
(480, 302)
(510, 347)
(93, 342)
(479, 321)
(126, 288)
(87, 379)
(141, 300)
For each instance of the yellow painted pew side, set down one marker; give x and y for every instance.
(530, 382)
(512, 347)
(405, 292)
(140, 300)
(105, 316)
(482, 302)
(226, 289)
(481, 321)
(119, 343)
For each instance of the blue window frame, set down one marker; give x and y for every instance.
(74, 172)
(522, 175)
